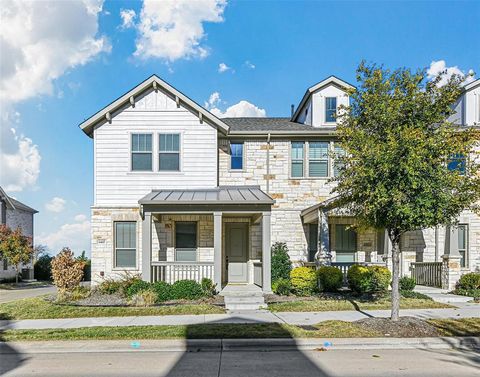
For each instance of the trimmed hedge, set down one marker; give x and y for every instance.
(330, 278)
(137, 287)
(186, 289)
(469, 281)
(282, 287)
(407, 283)
(304, 281)
(368, 279)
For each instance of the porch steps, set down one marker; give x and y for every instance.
(243, 297)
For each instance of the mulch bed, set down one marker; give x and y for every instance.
(405, 327)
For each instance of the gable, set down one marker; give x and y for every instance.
(141, 97)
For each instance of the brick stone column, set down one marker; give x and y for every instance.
(451, 270)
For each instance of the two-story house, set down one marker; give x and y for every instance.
(180, 193)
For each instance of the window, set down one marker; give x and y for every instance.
(125, 244)
(318, 159)
(463, 244)
(330, 109)
(345, 243)
(337, 164)
(297, 159)
(141, 152)
(236, 156)
(169, 152)
(185, 241)
(458, 162)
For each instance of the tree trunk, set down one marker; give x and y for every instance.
(16, 274)
(395, 238)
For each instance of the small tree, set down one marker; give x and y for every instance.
(281, 264)
(87, 265)
(67, 272)
(15, 247)
(399, 144)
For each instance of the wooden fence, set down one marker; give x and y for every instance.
(427, 273)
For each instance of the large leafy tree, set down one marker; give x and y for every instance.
(397, 170)
(15, 247)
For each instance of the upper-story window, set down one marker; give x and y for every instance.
(141, 152)
(318, 159)
(169, 152)
(297, 159)
(236, 156)
(330, 109)
(458, 162)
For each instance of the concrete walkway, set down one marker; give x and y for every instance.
(295, 318)
(442, 295)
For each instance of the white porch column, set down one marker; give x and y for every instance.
(217, 246)
(323, 250)
(146, 246)
(266, 252)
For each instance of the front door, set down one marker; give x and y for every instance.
(236, 251)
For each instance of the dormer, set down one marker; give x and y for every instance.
(319, 106)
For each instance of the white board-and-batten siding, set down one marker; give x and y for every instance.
(156, 113)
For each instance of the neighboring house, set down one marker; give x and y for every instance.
(180, 193)
(16, 215)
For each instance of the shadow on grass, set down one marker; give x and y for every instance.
(246, 357)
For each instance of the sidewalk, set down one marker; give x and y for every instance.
(294, 318)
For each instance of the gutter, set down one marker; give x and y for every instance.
(268, 164)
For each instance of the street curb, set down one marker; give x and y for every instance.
(226, 345)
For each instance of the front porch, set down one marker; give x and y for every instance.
(222, 234)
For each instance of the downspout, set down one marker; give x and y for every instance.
(436, 244)
(268, 163)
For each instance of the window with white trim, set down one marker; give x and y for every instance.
(236, 155)
(169, 152)
(125, 244)
(330, 109)
(463, 244)
(185, 241)
(141, 145)
(298, 156)
(318, 159)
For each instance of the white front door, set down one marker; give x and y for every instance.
(236, 252)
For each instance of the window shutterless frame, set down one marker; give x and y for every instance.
(330, 109)
(186, 241)
(463, 244)
(297, 159)
(318, 159)
(141, 152)
(125, 245)
(237, 153)
(169, 151)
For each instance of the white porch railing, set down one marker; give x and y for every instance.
(170, 272)
(257, 274)
(427, 273)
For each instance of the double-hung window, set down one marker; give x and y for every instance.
(141, 152)
(297, 159)
(185, 241)
(330, 109)
(236, 156)
(318, 159)
(458, 162)
(125, 244)
(337, 163)
(169, 152)
(463, 244)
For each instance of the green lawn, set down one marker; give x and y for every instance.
(39, 308)
(327, 329)
(324, 304)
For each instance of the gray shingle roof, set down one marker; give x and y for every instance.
(218, 195)
(22, 206)
(274, 125)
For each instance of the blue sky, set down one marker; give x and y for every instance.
(64, 71)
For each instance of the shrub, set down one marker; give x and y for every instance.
(358, 278)
(281, 264)
(208, 287)
(413, 294)
(304, 280)
(120, 286)
(407, 283)
(162, 290)
(67, 272)
(79, 293)
(330, 278)
(144, 298)
(42, 270)
(469, 281)
(136, 287)
(186, 289)
(110, 286)
(282, 287)
(380, 278)
(475, 293)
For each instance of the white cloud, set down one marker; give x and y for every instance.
(56, 205)
(440, 66)
(249, 64)
(240, 109)
(41, 40)
(76, 236)
(19, 157)
(222, 67)
(80, 218)
(173, 30)
(128, 17)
